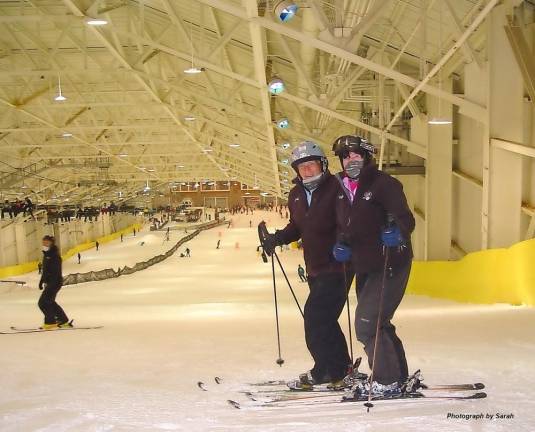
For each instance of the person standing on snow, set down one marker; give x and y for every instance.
(301, 273)
(312, 204)
(51, 282)
(377, 239)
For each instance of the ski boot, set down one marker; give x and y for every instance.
(336, 385)
(67, 324)
(305, 382)
(49, 326)
(363, 389)
(413, 383)
(353, 376)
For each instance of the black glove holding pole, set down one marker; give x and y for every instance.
(268, 241)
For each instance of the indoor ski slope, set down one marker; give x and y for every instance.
(190, 319)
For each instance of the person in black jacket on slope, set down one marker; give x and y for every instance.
(51, 282)
(376, 238)
(312, 205)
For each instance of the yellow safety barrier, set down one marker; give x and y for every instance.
(486, 277)
(19, 269)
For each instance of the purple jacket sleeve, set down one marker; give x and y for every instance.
(396, 204)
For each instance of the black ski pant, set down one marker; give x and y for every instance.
(302, 277)
(47, 303)
(390, 361)
(324, 337)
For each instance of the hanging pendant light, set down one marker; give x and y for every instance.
(193, 69)
(60, 97)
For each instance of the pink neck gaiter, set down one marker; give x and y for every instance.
(351, 186)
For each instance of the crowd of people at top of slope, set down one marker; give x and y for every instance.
(13, 209)
(55, 214)
(281, 209)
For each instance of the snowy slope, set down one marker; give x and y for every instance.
(190, 319)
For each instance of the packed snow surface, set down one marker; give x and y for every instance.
(191, 319)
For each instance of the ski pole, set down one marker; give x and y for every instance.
(280, 361)
(348, 318)
(289, 285)
(262, 235)
(377, 330)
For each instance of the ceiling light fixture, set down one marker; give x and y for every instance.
(96, 22)
(276, 86)
(60, 97)
(283, 123)
(193, 69)
(234, 145)
(66, 135)
(189, 118)
(285, 10)
(439, 121)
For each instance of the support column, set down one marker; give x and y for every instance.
(20, 243)
(438, 179)
(502, 170)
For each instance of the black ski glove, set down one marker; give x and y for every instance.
(271, 242)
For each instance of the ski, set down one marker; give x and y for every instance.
(453, 387)
(15, 330)
(416, 395)
(324, 389)
(278, 397)
(285, 395)
(405, 397)
(268, 383)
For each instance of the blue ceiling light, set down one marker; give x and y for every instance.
(276, 86)
(283, 123)
(285, 10)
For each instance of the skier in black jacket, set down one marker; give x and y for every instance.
(377, 240)
(51, 282)
(312, 205)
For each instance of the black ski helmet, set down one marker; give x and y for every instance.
(345, 144)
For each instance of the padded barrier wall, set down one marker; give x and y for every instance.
(485, 277)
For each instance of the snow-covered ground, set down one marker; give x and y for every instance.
(190, 319)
